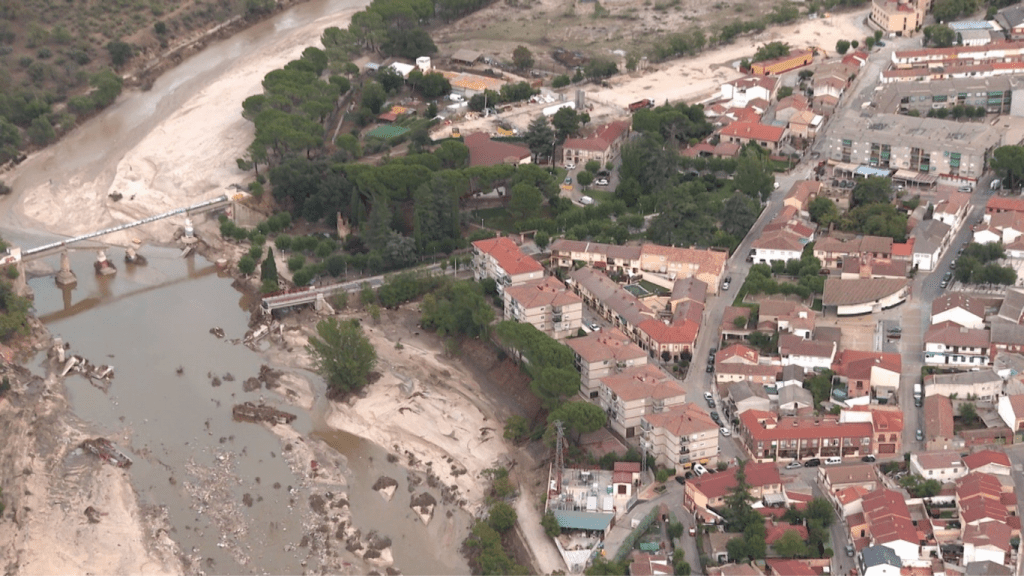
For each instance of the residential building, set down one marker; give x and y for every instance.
(880, 560)
(945, 466)
(997, 51)
(954, 151)
(670, 340)
(645, 564)
(793, 399)
(832, 251)
(687, 290)
(1011, 410)
(601, 354)
(930, 239)
(938, 424)
(899, 17)
(989, 462)
(989, 542)
(603, 144)
(834, 479)
(987, 568)
(982, 499)
(994, 93)
(746, 395)
(792, 377)
(738, 362)
(801, 194)
(708, 266)
(610, 300)
(710, 490)
(635, 392)
(790, 105)
(982, 384)
(777, 245)
(742, 133)
(546, 304)
(681, 436)
(999, 204)
(867, 372)
(886, 425)
(486, 152)
(866, 267)
(1011, 19)
(502, 261)
(949, 344)
(863, 296)
(770, 438)
(805, 124)
(1005, 227)
(952, 210)
(1007, 329)
(738, 93)
(808, 354)
(960, 309)
(889, 524)
(782, 64)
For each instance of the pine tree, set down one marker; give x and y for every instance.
(268, 269)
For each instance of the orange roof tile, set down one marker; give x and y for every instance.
(754, 131)
(508, 255)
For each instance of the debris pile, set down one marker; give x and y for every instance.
(424, 506)
(106, 451)
(250, 412)
(386, 487)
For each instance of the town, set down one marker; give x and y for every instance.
(738, 308)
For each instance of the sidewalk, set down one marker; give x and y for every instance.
(543, 550)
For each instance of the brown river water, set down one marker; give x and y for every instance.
(149, 321)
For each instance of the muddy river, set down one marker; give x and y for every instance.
(152, 323)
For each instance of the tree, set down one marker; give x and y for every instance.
(540, 137)
(553, 385)
(41, 132)
(246, 264)
(968, 412)
(869, 42)
(342, 354)
(390, 79)
(560, 81)
(579, 418)
(10, 140)
(525, 201)
(522, 58)
(373, 96)
(502, 517)
(566, 122)
(120, 52)
(823, 211)
(1007, 161)
(940, 35)
(740, 322)
(739, 212)
(550, 524)
(592, 166)
(791, 545)
(784, 92)
(516, 428)
(753, 177)
(268, 269)
(872, 190)
(855, 44)
(842, 46)
(771, 50)
(585, 178)
(541, 239)
(598, 68)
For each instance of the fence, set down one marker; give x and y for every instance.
(627, 544)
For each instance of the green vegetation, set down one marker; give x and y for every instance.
(342, 354)
(485, 548)
(771, 51)
(1008, 163)
(14, 313)
(820, 386)
(818, 516)
(741, 517)
(977, 265)
(918, 487)
(939, 35)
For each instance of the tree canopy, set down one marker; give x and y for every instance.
(1008, 162)
(342, 354)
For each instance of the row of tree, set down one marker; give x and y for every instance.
(978, 265)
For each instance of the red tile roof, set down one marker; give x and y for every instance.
(979, 459)
(718, 485)
(753, 131)
(602, 138)
(988, 534)
(683, 420)
(508, 255)
(980, 496)
(547, 291)
(888, 517)
(744, 354)
(938, 417)
(645, 381)
(631, 467)
(606, 345)
(684, 332)
(801, 428)
(952, 334)
(789, 567)
(776, 531)
(622, 477)
(858, 365)
(958, 300)
(1004, 203)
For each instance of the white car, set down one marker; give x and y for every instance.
(570, 166)
(725, 431)
(794, 464)
(601, 182)
(699, 470)
(708, 396)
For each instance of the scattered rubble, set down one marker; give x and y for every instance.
(217, 331)
(106, 451)
(93, 515)
(251, 384)
(250, 412)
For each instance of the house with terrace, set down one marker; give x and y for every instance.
(949, 344)
(868, 374)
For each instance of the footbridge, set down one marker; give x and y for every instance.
(46, 249)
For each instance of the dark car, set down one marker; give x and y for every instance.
(681, 480)
(716, 417)
(868, 458)
(812, 463)
(918, 402)
(711, 368)
(711, 403)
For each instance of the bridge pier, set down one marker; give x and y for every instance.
(103, 266)
(65, 276)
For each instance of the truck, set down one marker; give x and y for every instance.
(645, 103)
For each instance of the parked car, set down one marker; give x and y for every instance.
(919, 435)
(918, 402)
(713, 350)
(693, 531)
(725, 285)
(708, 396)
(868, 458)
(570, 166)
(725, 431)
(716, 417)
(850, 550)
(568, 180)
(880, 43)
(710, 368)
(794, 464)
(812, 463)
(681, 480)
(711, 403)
(966, 189)
(699, 470)
(601, 182)
(593, 325)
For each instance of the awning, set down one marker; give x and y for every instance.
(867, 171)
(915, 177)
(844, 166)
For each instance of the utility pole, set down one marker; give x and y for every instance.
(559, 461)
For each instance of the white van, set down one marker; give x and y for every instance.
(833, 460)
(699, 470)
(918, 391)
